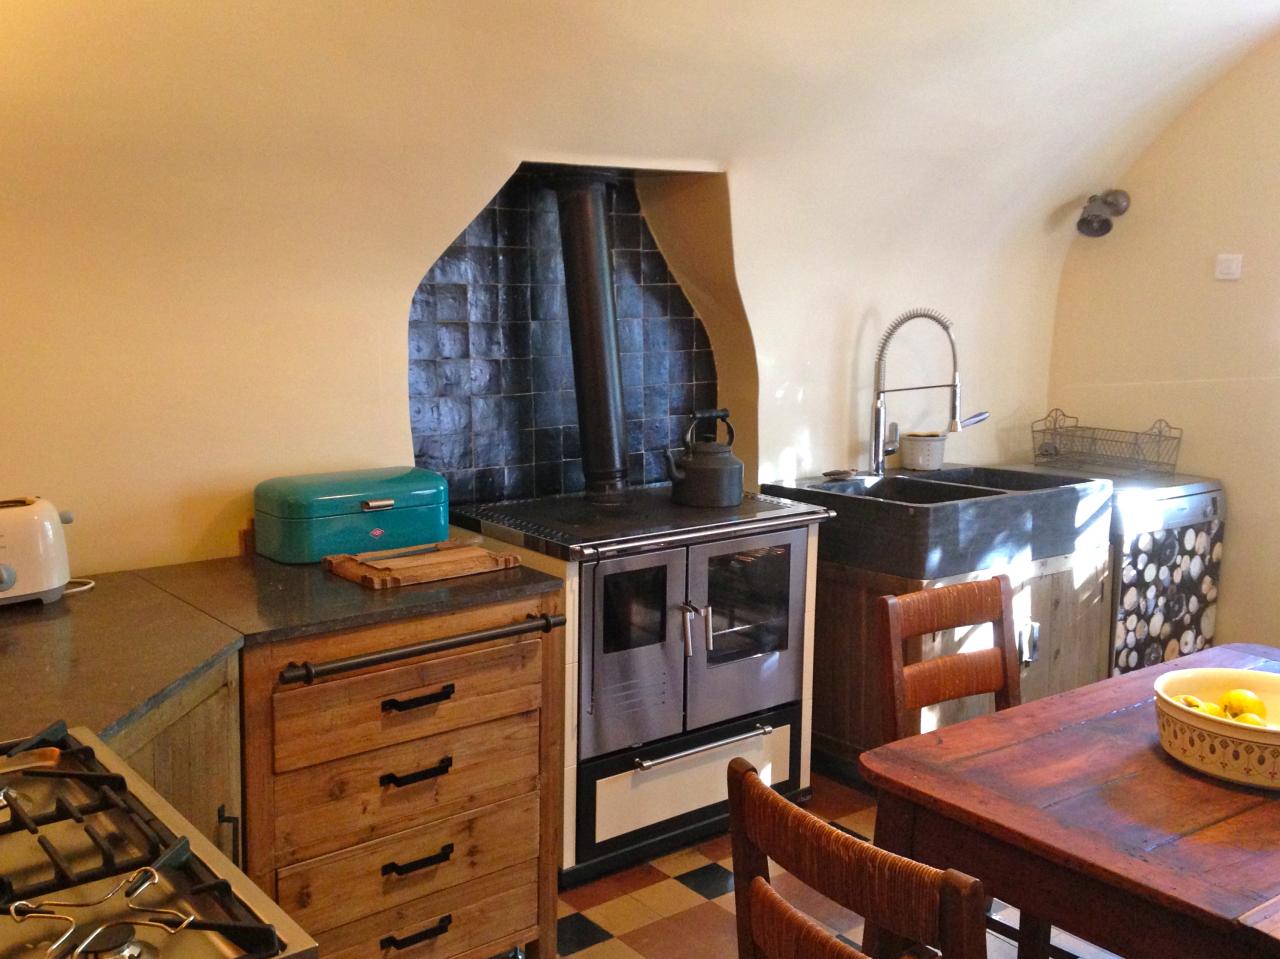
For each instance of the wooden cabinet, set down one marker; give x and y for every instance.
(1065, 597)
(411, 807)
(188, 748)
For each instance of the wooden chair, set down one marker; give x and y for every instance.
(912, 687)
(941, 908)
(938, 680)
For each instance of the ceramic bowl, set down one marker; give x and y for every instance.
(1221, 747)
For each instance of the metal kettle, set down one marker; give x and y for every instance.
(706, 473)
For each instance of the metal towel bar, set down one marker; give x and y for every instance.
(308, 672)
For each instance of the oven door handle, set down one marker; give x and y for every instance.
(705, 613)
(689, 611)
(646, 764)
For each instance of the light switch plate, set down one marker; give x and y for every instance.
(1228, 266)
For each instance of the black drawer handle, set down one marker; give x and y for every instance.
(403, 869)
(401, 705)
(422, 775)
(439, 929)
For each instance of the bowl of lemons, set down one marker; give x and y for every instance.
(1224, 722)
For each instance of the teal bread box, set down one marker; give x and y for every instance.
(302, 519)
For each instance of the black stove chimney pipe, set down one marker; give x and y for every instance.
(593, 333)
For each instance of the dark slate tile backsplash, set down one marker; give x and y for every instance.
(491, 391)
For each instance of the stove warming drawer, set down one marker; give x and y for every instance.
(636, 803)
(631, 800)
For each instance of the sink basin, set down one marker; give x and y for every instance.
(901, 489)
(1009, 480)
(953, 521)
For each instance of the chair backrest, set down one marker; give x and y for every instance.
(954, 676)
(781, 931)
(944, 909)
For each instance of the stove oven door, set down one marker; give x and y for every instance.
(633, 651)
(749, 629)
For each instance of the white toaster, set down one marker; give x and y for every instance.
(33, 551)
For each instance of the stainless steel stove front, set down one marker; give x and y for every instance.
(681, 639)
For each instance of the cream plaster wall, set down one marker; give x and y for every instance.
(212, 216)
(1144, 330)
(690, 217)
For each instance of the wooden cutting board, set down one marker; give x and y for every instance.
(388, 568)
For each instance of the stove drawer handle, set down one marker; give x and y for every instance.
(439, 929)
(646, 764)
(404, 705)
(403, 869)
(422, 775)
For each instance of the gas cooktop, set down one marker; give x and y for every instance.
(94, 863)
(576, 527)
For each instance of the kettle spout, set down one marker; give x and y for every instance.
(674, 472)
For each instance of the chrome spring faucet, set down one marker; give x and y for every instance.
(882, 446)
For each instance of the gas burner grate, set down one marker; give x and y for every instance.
(136, 851)
(115, 937)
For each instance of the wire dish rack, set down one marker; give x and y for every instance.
(1060, 440)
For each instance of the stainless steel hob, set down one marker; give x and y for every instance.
(93, 862)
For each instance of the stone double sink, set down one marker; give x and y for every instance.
(961, 519)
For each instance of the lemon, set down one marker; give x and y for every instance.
(1250, 719)
(1239, 701)
(1195, 702)
(1213, 709)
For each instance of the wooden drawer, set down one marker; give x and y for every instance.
(343, 886)
(352, 800)
(484, 918)
(343, 717)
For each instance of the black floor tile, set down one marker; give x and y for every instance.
(577, 932)
(710, 881)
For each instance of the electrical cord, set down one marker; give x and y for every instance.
(78, 586)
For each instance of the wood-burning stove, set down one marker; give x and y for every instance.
(688, 647)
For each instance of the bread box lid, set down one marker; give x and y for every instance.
(355, 491)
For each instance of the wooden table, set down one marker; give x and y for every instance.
(1067, 807)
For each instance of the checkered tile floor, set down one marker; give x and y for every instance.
(681, 906)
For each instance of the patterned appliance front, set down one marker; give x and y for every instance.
(1166, 602)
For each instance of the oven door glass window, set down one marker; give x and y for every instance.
(746, 608)
(749, 603)
(632, 668)
(635, 609)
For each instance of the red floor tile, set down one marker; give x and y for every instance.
(704, 932)
(611, 887)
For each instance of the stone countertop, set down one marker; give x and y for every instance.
(103, 658)
(266, 601)
(106, 657)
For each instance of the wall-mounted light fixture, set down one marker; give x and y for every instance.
(1096, 218)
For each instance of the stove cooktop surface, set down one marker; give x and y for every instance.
(576, 527)
(92, 863)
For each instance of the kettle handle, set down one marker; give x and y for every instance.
(699, 416)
